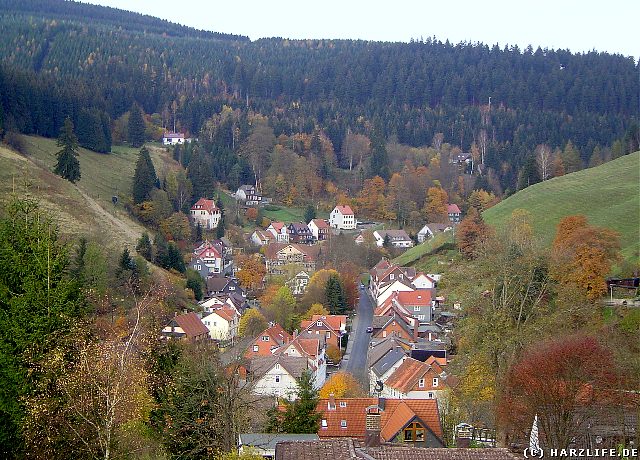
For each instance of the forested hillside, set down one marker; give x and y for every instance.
(503, 101)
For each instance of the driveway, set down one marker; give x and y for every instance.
(356, 357)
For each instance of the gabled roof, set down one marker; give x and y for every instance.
(226, 313)
(217, 283)
(333, 322)
(394, 235)
(407, 375)
(278, 226)
(191, 324)
(263, 235)
(419, 297)
(355, 414)
(401, 417)
(294, 365)
(206, 205)
(309, 252)
(401, 321)
(169, 135)
(344, 209)
(320, 223)
(388, 361)
(299, 227)
(435, 227)
(381, 348)
(247, 187)
(307, 344)
(277, 333)
(453, 209)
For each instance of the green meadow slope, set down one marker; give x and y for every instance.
(609, 195)
(84, 208)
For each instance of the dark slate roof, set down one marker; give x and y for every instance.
(269, 440)
(294, 365)
(388, 360)
(379, 321)
(331, 449)
(382, 347)
(217, 283)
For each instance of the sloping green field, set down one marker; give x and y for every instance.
(609, 195)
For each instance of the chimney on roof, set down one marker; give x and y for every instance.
(372, 429)
(331, 404)
(463, 438)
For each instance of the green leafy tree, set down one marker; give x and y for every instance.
(135, 127)
(144, 177)
(281, 309)
(68, 165)
(300, 415)
(252, 323)
(39, 305)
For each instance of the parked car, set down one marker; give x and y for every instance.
(369, 330)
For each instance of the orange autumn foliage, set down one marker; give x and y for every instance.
(583, 255)
(342, 385)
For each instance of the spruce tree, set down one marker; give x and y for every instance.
(144, 178)
(300, 415)
(68, 165)
(335, 294)
(144, 247)
(135, 128)
(220, 229)
(309, 213)
(379, 157)
(174, 258)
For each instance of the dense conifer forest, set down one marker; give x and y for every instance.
(93, 63)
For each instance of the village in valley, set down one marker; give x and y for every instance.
(394, 340)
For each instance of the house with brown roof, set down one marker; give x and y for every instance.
(206, 213)
(398, 326)
(277, 375)
(299, 232)
(188, 327)
(270, 339)
(414, 421)
(332, 327)
(396, 238)
(343, 218)
(319, 229)
(417, 304)
(312, 347)
(262, 237)
(278, 255)
(222, 323)
(414, 379)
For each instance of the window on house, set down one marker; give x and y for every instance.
(328, 334)
(430, 395)
(392, 276)
(265, 338)
(343, 403)
(256, 348)
(278, 367)
(384, 333)
(318, 323)
(414, 432)
(324, 423)
(421, 383)
(343, 423)
(277, 379)
(421, 317)
(416, 308)
(435, 382)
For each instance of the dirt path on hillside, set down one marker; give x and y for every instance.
(130, 234)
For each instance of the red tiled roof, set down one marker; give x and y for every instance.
(320, 223)
(406, 376)
(277, 333)
(226, 313)
(191, 324)
(420, 297)
(355, 415)
(453, 209)
(400, 418)
(344, 209)
(173, 135)
(333, 321)
(204, 204)
(310, 252)
(277, 226)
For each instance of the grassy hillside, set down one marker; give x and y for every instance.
(85, 208)
(609, 195)
(410, 256)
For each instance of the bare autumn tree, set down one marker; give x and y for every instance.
(544, 161)
(565, 382)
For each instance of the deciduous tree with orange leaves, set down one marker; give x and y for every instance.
(471, 232)
(436, 205)
(252, 271)
(583, 255)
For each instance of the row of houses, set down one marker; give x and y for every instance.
(407, 357)
(296, 232)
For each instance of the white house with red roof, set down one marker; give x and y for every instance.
(206, 213)
(279, 231)
(343, 218)
(207, 260)
(222, 323)
(319, 228)
(454, 213)
(170, 138)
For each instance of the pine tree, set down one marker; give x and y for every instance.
(309, 213)
(174, 258)
(135, 127)
(144, 178)
(335, 294)
(300, 415)
(195, 283)
(144, 247)
(162, 251)
(379, 157)
(199, 236)
(68, 165)
(220, 229)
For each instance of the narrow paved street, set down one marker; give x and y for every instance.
(359, 339)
